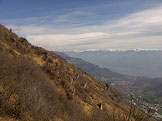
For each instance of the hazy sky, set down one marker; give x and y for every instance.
(86, 24)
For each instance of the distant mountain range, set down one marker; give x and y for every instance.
(144, 63)
(92, 69)
(148, 88)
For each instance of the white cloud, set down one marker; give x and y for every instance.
(29, 29)
(142, 29)
(143, 19)
(61, 39)
(70, 16)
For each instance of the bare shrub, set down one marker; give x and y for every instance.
(35, 93)
(29, 93)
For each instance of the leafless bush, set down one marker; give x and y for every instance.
(29, 93)
(27, 89)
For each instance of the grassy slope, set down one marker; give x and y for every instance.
(38, 85)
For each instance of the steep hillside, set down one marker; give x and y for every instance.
(37, 85)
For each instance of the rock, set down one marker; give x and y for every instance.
(100, 106)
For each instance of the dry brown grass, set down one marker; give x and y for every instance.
(37, 85)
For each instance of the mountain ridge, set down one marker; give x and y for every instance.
(92, 69)
(148, 88)
(133, 63)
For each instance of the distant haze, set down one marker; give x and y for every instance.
(135, 63)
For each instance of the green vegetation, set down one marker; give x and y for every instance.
(160, 111)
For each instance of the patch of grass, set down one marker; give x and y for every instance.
(160, 111)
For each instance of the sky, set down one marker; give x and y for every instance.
(78, 25)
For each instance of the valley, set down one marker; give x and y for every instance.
(146, 90)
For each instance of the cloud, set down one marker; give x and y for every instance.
(141, 29)
(72, 15)
(145, 18)
(29, 29)
(61, 39)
